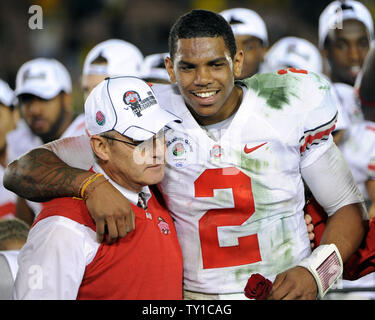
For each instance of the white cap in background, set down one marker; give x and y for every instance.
(123, 58)
(7, 97)
(246, 22)
(153, 67)
(127, 105)
(338, 11)
(293, 52)
(44, 78)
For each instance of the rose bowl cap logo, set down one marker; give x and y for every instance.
(133, 99)
(100, 119)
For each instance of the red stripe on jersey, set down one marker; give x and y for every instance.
(370, 128)
(371, 167)
(318, 136)
(8, 209)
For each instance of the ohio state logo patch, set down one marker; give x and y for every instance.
(132, 98)
(163, 226)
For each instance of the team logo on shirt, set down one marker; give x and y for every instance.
(163, 226)
(100, 119)
(133, 99)
(216, 151)
(180, 151)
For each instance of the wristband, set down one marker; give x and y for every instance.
(87, 182)
(325, 264)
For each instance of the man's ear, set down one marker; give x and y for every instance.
(169, 66)
(237, 63)
(100, 147)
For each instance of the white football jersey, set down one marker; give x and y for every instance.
(238, 201)
(347, 97)
(359, 152)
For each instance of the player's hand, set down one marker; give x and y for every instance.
(294, 284)
(110, 210)
(310, 229)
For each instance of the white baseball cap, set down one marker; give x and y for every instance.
(44, 78)
(246, 22)
(153, 67)
(127, 105)
(294, 52)
(123, 58)
(7, 97)
(338, 11)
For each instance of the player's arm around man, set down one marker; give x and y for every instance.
(47, 177)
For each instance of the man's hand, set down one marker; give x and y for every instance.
(110, 210)
(310, 229)
(294, 284)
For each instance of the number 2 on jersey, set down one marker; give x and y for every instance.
(247, 250)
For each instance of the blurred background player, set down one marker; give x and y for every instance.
(153, 68)
(8, 119)
(251, 36)
(110, 58)
(345, 32)
(13, 235)
(43, 88)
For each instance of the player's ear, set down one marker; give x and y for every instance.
(170, 69)
(100, 147)
(237, 63)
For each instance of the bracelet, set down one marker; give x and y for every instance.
(86, 195)
(325, 264)
(87, 182)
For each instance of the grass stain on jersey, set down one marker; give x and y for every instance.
(274, 88)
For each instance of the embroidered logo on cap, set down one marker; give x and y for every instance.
(100, 119)
(132, 99)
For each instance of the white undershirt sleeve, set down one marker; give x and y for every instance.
(53, 260)
(331, 182)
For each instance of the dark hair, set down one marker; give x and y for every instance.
(12, 230)
(199, 24)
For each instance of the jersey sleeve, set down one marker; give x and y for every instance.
(74, 151)
(319, 119)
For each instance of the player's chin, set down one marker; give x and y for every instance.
(206, 110)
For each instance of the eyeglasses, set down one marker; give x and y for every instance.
(119, 140)
(162, 131)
